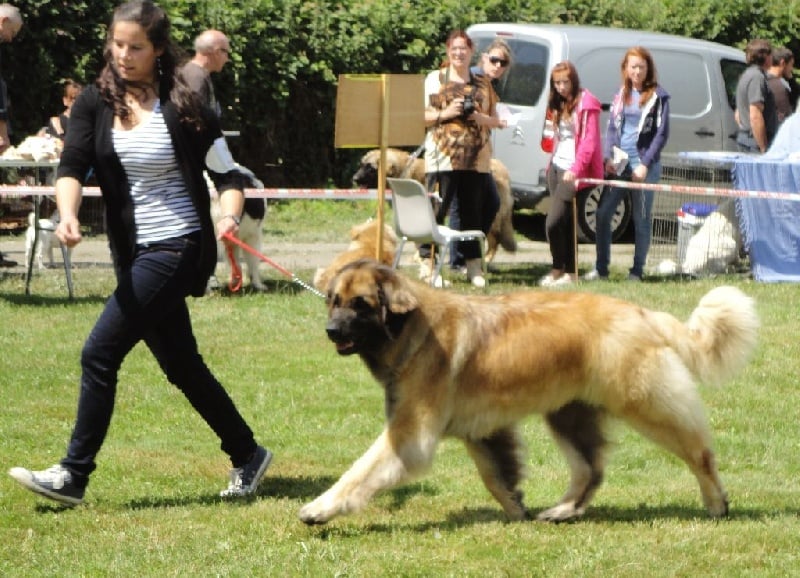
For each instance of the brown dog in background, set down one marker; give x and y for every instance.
(472, 367)
(363, 245)
(400, 165)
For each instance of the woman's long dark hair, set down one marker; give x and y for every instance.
(562, 107)
(171, 85)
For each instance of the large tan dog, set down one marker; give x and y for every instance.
(363, 245)
(471, 367)
(399, 164)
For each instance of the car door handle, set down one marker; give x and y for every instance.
(704, 132)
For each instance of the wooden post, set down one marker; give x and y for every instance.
(385, 99)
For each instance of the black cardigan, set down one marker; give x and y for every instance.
(89, 145)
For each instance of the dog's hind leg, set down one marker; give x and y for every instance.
(578, 431)
(675, 419)
(499, 461)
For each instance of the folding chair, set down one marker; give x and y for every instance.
(414, 220)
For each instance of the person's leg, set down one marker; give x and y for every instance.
(146, 293)
(469, 191)
(554, 221)
(609, 199)
(174, 346)
(642, 207)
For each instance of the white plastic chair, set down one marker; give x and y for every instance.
(414, 220)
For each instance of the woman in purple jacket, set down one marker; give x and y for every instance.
(638, 125)
(577, 153)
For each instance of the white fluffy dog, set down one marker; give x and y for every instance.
(47, 239)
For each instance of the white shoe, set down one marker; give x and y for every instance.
(593, 275)
(565, 279)
(546, 281)
(475, 273)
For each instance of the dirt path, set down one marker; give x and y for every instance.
(93, 252)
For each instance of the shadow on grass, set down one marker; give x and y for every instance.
(304, 489)
(526, 274)
(301, 489)
(605, 515)
(47, 301)
(283, 286)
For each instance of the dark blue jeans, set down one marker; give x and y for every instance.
(149, 304)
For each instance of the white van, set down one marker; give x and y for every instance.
(700, 77)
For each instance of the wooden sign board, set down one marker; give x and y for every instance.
(369, 105)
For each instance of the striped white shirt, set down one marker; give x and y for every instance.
(162, 207)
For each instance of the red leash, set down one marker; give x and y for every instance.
(235, 284)
(267, 260)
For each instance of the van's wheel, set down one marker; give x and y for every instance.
(587, 202)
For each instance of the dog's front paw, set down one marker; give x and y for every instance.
(317, 512)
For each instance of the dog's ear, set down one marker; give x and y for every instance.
(397, 291)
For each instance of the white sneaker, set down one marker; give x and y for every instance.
(244, 481)
(55, 483)
(475, 273)
(593, 275)
(565, 279)
(546, 281)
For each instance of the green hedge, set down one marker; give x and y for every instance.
(280, 86)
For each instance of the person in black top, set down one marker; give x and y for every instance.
(10, 25)
(57, 127)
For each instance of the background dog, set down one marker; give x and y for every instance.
(363, 245)
(471, 367)
(399, 164)
(47, 239)
(250, 231)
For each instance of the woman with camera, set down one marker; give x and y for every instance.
(459, 116)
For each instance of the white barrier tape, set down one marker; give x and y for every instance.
(27, 190)
(691, 189)
(352, 194)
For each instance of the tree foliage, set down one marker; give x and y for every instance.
(280, 87)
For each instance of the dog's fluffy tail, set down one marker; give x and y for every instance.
(507, 239)
(724, 331)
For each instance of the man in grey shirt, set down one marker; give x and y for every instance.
(755, 105)
(211, 52)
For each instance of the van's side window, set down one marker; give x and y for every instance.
(731, 71)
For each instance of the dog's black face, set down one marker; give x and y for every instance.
(367, 173)
(367, 306)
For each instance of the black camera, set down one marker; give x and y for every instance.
(469, 106)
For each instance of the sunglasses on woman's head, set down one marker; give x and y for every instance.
(497, 60)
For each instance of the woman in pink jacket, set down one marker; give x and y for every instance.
(577, 153)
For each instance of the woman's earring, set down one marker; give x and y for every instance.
(158, 66)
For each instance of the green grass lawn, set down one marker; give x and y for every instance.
(152, 510)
